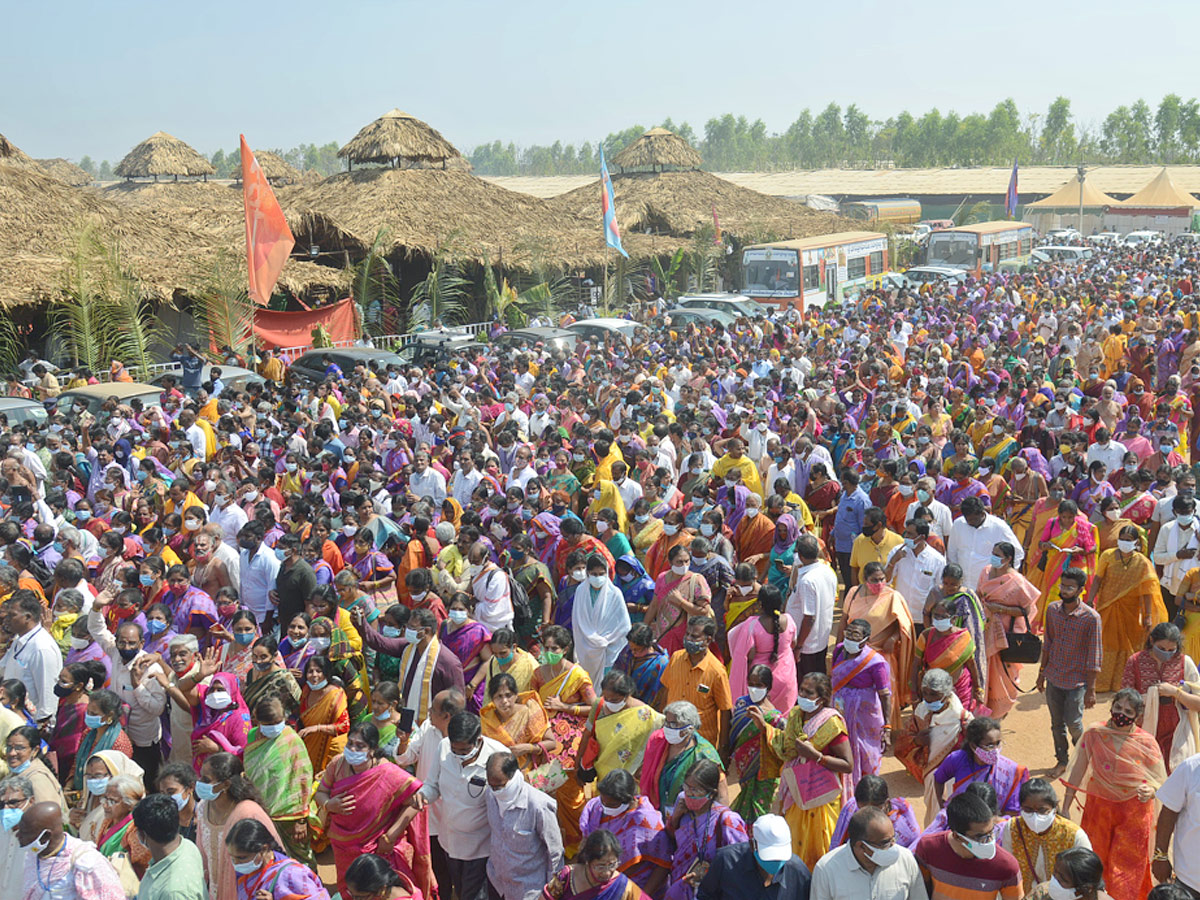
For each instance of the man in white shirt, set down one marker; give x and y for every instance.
(133, 681)
(426, 482)
(1179, 818)
(459, 780)
(972, 538)
(630, 490)
(1176, 548)
(542, 418)
(870, 864)
(1106, 450)
(259, 568)
(489, 583)
(33, 657)
(196, 435)
(512, 414)
(915, 568)
(940, 520)
(527, 845)
(523, 471)
(810, 605)
(422, 749)
(226, 513)
(466, 479)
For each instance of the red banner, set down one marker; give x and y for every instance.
(269, 241)
(294, 329)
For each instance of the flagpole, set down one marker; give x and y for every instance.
(604, 296)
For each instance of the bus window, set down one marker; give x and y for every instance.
(877, 262)
(772, 276)
(951, 248)
(856, 267)
(812, 278)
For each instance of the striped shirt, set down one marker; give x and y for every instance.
(1071, 646)
(953, 877)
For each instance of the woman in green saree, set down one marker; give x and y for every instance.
(756, 783)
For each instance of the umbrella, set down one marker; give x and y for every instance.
(383, 529)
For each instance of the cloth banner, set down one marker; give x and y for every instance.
(294, 329)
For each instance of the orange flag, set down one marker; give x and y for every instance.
(269, 241)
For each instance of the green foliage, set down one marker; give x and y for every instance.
(442, 297)
(103, 314)
(222, 308)
(375, 288)
(105, 173)
(88, 165)
(668, 284)
(702, 258)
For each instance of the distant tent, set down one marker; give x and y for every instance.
(1159, 206)
(1063, 208)
(404, 142)
(1161, 193)
(163, 154)
(1068, 197)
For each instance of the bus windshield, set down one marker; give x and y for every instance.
(952, 248)
(776, 276)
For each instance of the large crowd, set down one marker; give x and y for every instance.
(626, 618)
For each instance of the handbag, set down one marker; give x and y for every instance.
(1024, 647)
(130, 883)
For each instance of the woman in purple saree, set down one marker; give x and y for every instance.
(862, 693)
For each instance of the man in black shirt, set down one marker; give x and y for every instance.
(763, 869)
(295, 582)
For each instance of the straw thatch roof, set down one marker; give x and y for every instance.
(162, 154)
(657, 150)
(1161, 193)
(1069, 196)
(682, 203)
(11, 153)
(64, 171)
(426, 210)
(401, 140)
(277, 169)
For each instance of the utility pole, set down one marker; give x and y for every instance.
(1082, 172)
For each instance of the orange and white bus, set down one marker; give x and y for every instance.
(813, 270)
(981, 248)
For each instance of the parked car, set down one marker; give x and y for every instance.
(1039, 256)
(234, 377)
(1105, 237)
(310, 368)
(427, 347)
(700, 316)
(1136, 238)
(1067, 254)
(557, 338)
(1058, 235)
(735, 304)
(601, 328)
(919, 275)
(95, 395)
(17, 411)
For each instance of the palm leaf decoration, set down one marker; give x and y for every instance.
(135, 328)
(222, 308)
(374, 287)
(668, 284)
(441, 297)
(80, 318)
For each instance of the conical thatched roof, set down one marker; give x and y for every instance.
(11, 153)
(277, 169)
(658, 149)
(396, 138)
(162, 154)
(681, 203)
(64, 171)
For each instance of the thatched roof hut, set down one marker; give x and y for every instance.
(658, 150)
(681, 203)
(163, 154)
(64, 171)
(277, 169)
(402, 141)
(11, 153)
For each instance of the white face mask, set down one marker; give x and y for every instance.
(882, 856)
(757, 694)
(1038, 822)
(670, 529)
(577, 575)
(674, 735)
(752, 511)
(744, 589)
(680, 570)
(942, 624)
(612, 810)
(217, 701)
(851, 647)
(1126, 546)
(601, 527)
(1056, 891)
(707, 529)
(597, 581)
(979, 849)
(615, 706)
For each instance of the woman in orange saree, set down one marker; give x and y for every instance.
(1126, 768)
(1043, 511)
(324, 714)
(366, 798)
(1011, 603)
(951, 649)
(673, 535)
(1128, 596)
(754, 536)
(1069, 541)
(891, 628)
(518, 721)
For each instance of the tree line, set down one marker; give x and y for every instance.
(846, 138)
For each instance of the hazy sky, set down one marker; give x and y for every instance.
(92, 78)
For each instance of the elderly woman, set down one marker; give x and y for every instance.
(1126, 768)
(934, 731)
(22, 753)
(16, 796)
(110, 825)
(637, 826)
(669, 754)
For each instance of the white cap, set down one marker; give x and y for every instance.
(773, 838)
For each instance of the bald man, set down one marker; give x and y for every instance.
(66, 868)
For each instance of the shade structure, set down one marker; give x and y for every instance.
(277, 170)
(1069, 197)
(399, 139)
(1161, 193)
(160, 155)
(658, 149)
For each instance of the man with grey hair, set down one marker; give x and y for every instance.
(527, 845)
(184, 656)
(78, 540)
(16, 796)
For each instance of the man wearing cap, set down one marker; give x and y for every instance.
(869, 864)
(762, 869)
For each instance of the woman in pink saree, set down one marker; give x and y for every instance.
(767, 639)
(862, 693)
(1068, 540)
(679, 593)
(366, 797)
(1011, 602)
(222, 719)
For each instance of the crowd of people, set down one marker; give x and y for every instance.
(630, 617)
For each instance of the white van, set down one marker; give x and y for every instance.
(1067, 254)
(1134, 238)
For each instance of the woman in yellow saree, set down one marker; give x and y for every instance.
(324, 714)
(644, 529)
(619, 728)
(518, 722)
(1027, 489)
(606, 496)
(1068, 541)
(1043, 511)
(1127, 594)
(812, 752)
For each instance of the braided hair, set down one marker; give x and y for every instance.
(770, 598)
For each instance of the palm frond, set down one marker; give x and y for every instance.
(441, 297)
(79, 318)
(134, 324)
(222, 308)
(374, 287)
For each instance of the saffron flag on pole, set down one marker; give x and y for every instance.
(716, 226)
(269, 241)
(612, 233)
(1010, 199)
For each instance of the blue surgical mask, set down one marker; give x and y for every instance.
(272, 731)
(205, 791)
(9, 818)
(156, 626)
(355, 757)
(245, 638)
(249, 867)
(280, 554)
(935, 705)
(146, 580)
(770, 866)
(92, 721)
(997, 561)
(390, 631)
(807, 704)
(97, 786)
